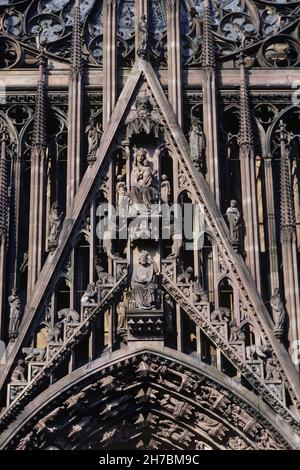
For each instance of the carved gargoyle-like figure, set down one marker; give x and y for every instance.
(221, 314)
(256, 351)
(235, 332)
(54, 333)
(15, 314)
(34, 354)
(90, 295)
(68, 315)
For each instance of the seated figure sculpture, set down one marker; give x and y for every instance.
(143, 282)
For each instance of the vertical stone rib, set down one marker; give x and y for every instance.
(174, 58)
(37, 216)
(210, 104)
(289, 240)
(75, 111)
(109, 59)
(271, 222)
(3, 219)
(248, 182)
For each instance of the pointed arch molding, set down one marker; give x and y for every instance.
(143, 72)
(168, 400)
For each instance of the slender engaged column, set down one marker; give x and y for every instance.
(37, 216)
(75, 111)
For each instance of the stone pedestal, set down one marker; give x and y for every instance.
(69, 329)
(34, 369)
(257, 367)
(145, 325)
(52, 349)
(14, 390)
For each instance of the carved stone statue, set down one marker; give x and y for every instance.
(34, 354)
(235, 333)
(272, 373)
(142, 192)
(221, 314)
(67, 315)
(122, 198)
(176, 245)
(143, 282)
(233, 217)
(15, 314)
(186, 277)
(169, 314)
(278, 311)
(121, 312)
(54, 333)
(165, 190)
(103, 277)
(107, 242)
(89, 295)
(94, 135)
(55, 225)
(144, 37)
(199, 294)
(197, 143)
(18, 374)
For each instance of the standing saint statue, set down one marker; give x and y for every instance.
(94, 134)
(144, 37)
(165, 190)
(15, 314)
(143, 282)
(233, 217)
(55, 225)
(197, 143)
(278, 311)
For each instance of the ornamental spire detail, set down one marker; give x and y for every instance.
(76, 65)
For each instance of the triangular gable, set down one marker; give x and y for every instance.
(214, 220)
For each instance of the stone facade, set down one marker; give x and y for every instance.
(149, 225)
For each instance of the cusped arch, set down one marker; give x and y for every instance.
(148, 398)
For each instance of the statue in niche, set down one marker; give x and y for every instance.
(169, 313)
(165, 190)
(122, 198)
(176, 245)
(197, 143)
(94, 135)
(143, 282)
(142, 192)
(15, 314)
(144, 37)
(55, 225)
(121, 312)
(233, 217)
(278, 311)
(107, 241)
